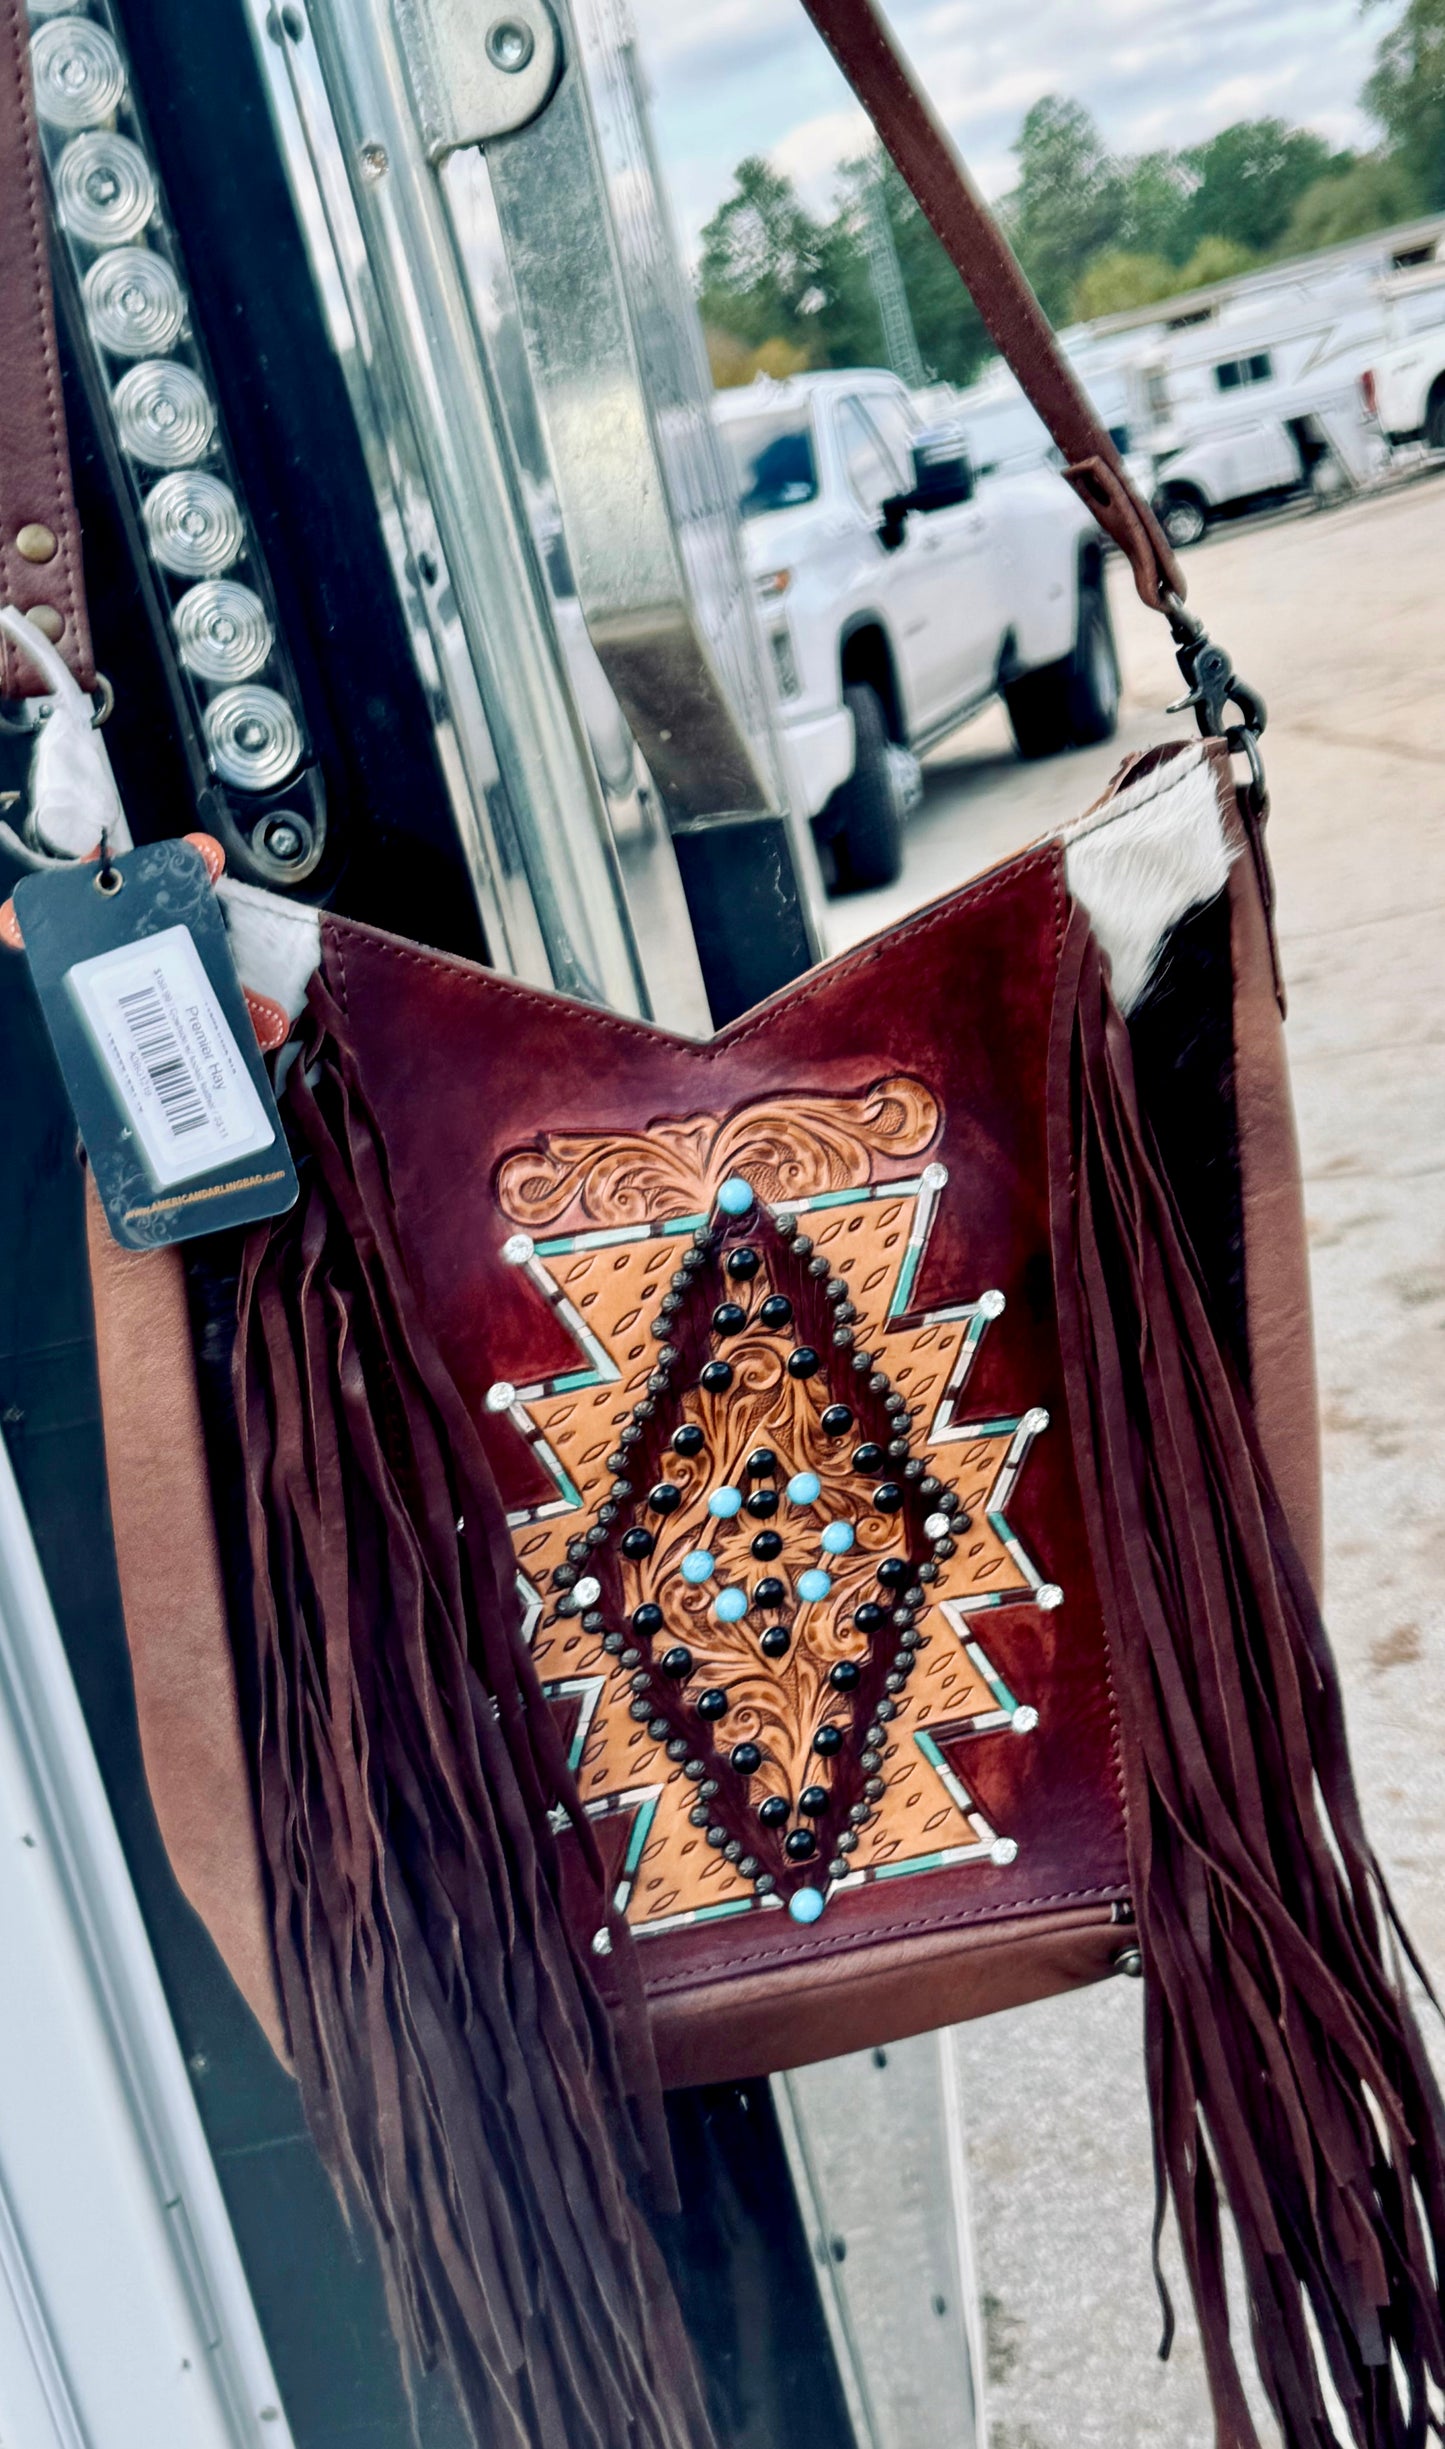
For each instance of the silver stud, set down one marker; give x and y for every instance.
(1129, 1962)
(501, 1396)
(1024, 1720)
(934, 1176)
(517, 1249)
(936, 1526)
(1035, 1421)
(601, 1942)
(1003, 1851)
(1048, 1596)
(588, 1591)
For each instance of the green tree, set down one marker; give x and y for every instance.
(1369, 197)
(1068, 205)
(1406, 94)
(1249, 178)
(949, 331)
(1118, 280)
(764, 264)
(1154, 214)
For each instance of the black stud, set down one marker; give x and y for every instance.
(843, 1338)
(676, 1663)
(630, 1657)
(870, 1617)
(762, 1504)
(645, 1410)
(776, 1311)
(846, 1676)
(761, 1464)
(642, 1679)
(837, 1420)
(732, 1851)
(776, 1641)
(886, 1709)
(814, 1800)
(930, 1486)
(717, 1837)
(827, 1741)
(677, 1748)
(859, 1814)
(659, 1729)
(688, 1439)
(617, 1461)
(868, 1459)
(894, 1572)
(774, 1813)
(597, 1537)
(765, 1883)
(713, 1703)
(593, 1621)
(767, 1545)
(748, 1866)
(802, 1361)
(893, 1682)
(694, 1769)
(836, 1288)
(838, 1868)
(800, 1845)
(628, 1436)
(872, 1759)
(943, 1549)
(818, 1265)
(665, 1498)
(770, 1592)
(948, 1502)
(708, 1789)
(715, 1377)
(647, 1620)
(612, 1642)
(898, 1449)
(888, 1496)
(699, 1815)
(743, 1263)
(642, 1711)
(746, 1759)
(802, 1244)
(786, 1223)
(873, 1787)
(729, 1318)
(564, 1576)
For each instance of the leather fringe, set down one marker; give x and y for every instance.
(456, 2061)
(1287, 2077)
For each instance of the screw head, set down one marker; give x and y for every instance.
(375, 163)
(510, 45)
(33, 542)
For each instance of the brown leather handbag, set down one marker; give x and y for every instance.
(761, 1546)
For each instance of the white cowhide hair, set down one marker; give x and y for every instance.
(1144, 858)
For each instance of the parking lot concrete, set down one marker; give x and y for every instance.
(1338, 618)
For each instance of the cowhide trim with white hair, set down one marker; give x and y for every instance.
(1141, 859)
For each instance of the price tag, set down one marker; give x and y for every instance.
(155, 1044)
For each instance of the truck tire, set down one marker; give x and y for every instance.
(1182, 516)
(1435, 420)
(863, 821)
(1075, 702)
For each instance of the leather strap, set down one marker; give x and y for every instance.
(39, 531)
(885, 85)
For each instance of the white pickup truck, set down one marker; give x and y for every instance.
(898, 597)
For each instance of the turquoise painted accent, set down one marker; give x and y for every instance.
(574, 1378)
(697, 1566)
(736, 1196)
(838, 1538)
(730, 1605)
(814, 1584)
(906, 1274)
(805, 1488)
(806, 1904)
(724, 1503)
(681, 1224)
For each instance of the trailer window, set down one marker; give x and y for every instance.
(773, 463)
(1236, 373)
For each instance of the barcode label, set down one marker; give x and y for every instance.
(169, 1054)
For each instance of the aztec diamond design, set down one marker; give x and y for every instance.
(759, 1620)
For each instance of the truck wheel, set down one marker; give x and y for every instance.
(863, 820)
(1435, 421)
(1183, 518)
(1073, 703)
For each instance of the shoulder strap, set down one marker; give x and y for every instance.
(881, 78)
(40, 570)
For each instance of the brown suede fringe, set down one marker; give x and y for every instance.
(1286, 2073)
(456, 2061)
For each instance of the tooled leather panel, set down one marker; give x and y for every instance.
(893, 1104)
(35, 486)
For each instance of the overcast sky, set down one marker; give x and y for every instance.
(732, 77)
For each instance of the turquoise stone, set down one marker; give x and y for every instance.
(730, 1605)
(735, 1196)
(805, 1904)
(724, 1503)
(697, 1566)
(838, 1538)
(805, 1488)
(814, 1584)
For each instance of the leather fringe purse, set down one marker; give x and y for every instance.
(723, 1553)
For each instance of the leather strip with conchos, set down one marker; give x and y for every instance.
(761, 1336)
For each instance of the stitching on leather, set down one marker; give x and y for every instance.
(854, 1943)
(1048, 855)
(60, 505)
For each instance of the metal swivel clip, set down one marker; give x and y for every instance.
(1213, 687)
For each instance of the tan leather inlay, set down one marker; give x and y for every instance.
(777, 1703)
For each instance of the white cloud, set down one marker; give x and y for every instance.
(809, 155)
